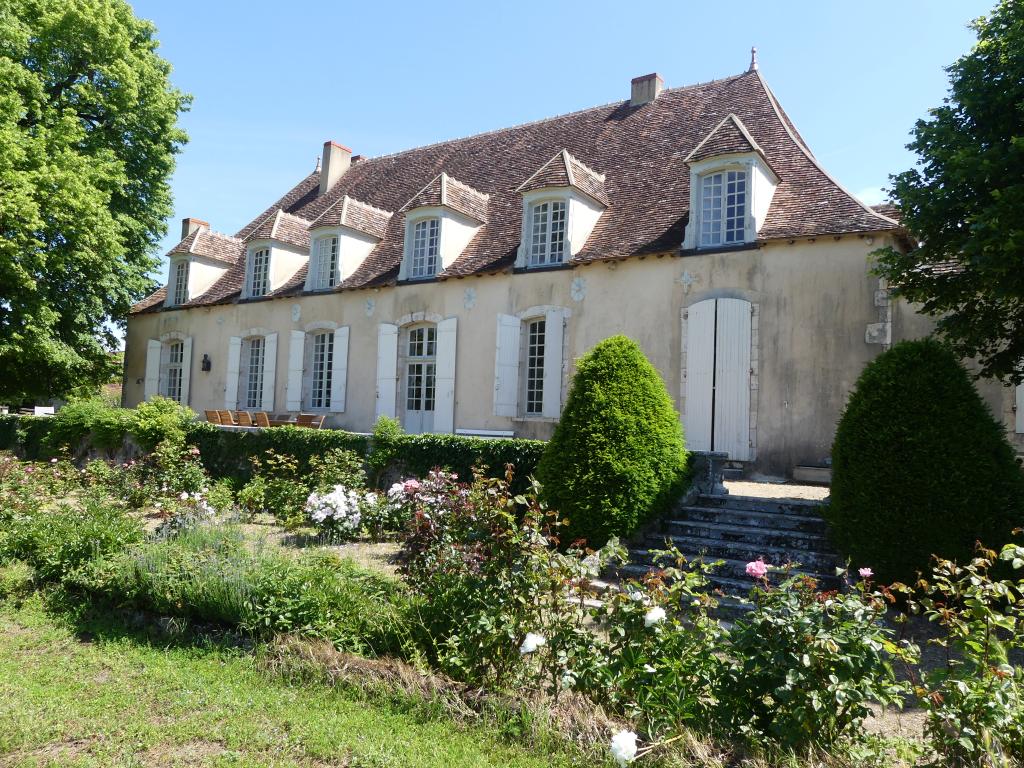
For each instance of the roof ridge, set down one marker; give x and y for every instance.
(810, 156)
(538, 121)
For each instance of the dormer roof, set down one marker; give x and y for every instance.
(354, 214)
(211, 245)
(445, 191)
(564, 170)
(284, 228)
(729, 137)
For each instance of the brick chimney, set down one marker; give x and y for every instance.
(336, 160)
(645, 89)
(190, 225)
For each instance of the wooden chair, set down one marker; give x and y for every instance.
(318, 422)
(304, 420)
(244, 419)
(261, 418)
(213, 417)
(226, 418)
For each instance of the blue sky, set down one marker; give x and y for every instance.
(273, 80)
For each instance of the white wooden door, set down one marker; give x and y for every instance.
(732, 379)
(419, 386)
(700, 374)
(718, 377)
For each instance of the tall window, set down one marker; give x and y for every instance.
(323, 360)
(723, 208)
(254, 378)
(547, 233)
(180, 294)
(535, 366)
(259, 277)
(421, 369)
(326, 263)
(175, 362)
(426, 236)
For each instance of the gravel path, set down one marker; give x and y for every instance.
(776, 490)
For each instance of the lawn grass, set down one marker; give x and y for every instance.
(98, 693)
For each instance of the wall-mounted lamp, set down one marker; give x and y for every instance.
(206, 364)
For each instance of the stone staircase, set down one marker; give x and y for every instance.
(738, 529)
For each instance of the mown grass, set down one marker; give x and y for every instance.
(97, 692)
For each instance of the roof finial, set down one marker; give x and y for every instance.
(753, 59)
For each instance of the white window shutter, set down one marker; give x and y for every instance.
(152, 381)
(732, 379)
(700, 373)
(554, 330)
(506, 366)
(1019, 427)
(186, 368)
(444, 407)
(387, 369)
(269, 371)
(340, 370)
(296, 350)
(231, 370)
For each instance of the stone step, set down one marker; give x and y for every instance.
(805, 507)
(745, 534)
(771, 520)
(736, 557)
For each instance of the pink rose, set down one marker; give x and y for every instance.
(866, 573)
(411, 485)
(757, 569)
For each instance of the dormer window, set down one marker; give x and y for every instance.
(547, 228)
(180, 282)
(723, 208)
(426, 241)
(259, 272)
(326, 263)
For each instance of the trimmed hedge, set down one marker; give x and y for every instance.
(617, 458)
(226, 453)
(920, 466)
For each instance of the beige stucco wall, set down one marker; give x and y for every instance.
(814, 302)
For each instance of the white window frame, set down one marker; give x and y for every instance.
(715, 232)
(254, 378)
(251, 283)
(534, 337)
(420, 256)
(174, 372)
(327, 249)
(179, 282)
(321, 371)
(425, 356)
(542, 234)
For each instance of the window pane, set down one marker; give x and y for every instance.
(175, 359)
(254, 385)
(735, 206)
(425, 246)
(711, 209)
(327, 263)
(539, 238)
(323, 359)
(535, 367)
(260, 279)
(556, 245)
(180, 295)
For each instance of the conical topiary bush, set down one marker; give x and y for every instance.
(920, 466)
(617, 457)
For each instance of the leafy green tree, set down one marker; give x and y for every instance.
(88, 135)
(617, 456)
(963, 203)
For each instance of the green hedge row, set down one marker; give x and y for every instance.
(227, 453)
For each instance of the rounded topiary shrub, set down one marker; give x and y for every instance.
(920, 466)
(617, 456)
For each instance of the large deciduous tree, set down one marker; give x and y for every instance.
(88, 135)
(964, 203)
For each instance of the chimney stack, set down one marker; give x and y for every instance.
(336, 160)
(645, 89)
(190, 225)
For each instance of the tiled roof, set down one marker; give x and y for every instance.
(212, 245)
(888, 209)
(640, 150)
(564, 170)
(728, 137)
(355, 215)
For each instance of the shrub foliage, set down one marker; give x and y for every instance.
(920, 466)
(617, 456)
